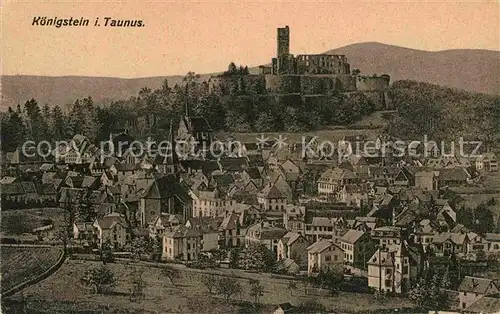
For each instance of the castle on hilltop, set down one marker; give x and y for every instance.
(286, 63)
(306, 77)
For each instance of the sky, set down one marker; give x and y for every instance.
(182, 36)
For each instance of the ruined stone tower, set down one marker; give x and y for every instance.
(283, 41)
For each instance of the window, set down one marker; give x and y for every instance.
(335, 258)
(328, 258)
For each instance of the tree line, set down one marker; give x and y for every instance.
(151, 112)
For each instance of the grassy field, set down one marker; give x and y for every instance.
(66, 294)
(488, 188)
(21, 264)
(15, 222)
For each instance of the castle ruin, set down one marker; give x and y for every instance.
(308, 76)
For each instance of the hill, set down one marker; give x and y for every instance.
(63, 90)
(469, 69)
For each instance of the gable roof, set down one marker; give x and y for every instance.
(352, 236)
(453, 174)
(197, 124)
(475, 284)
(486, 304)
(382, 258)
(110, 220)
(230, 222)
(320, 246)
(233, 164)
(291, 237)
(271, 192)
(205, 224)
(182, 231)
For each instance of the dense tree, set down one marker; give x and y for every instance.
(227, 287)
(171, 273)
(292, 286)
(479, 219)
(256, 290)
(138, 285)
(100, 279)
(138, 246)
(428, 294)
(13, 130)
(311, 306)
(265, 122)
(256, 257)
(330, 280)
(209, 281)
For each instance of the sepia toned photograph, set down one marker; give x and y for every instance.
(250, 157)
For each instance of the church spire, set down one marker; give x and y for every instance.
(174, 158)
(186, 102)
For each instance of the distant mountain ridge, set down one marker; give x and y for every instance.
(469, 69)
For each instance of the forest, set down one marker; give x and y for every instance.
(440, 112)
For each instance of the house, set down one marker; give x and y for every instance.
(426, 180)
(446, 216)
(358, 247)
(111, 229)
(210, 202)
(366, 223)
(182, 243)
(265, 234)
(393, 268)
(486, 304)
(474, 288)
(354, 194)
(84, 233)
(231, 231)
(294, 218)
(294, 246)
(476, 244)
(19, 194)
(404, 178)
(387, 174)
(324, 255)
(424, 232)
(493, 240)
(124, 170)
(270, 198)
(291, 172)
(387, 235)
(44, 232)
(446, 243)
(332, 180)
(222, 181)
(289, 266)
(252, 174)
(284, 308)
(487, 162)
(163, 222)
(209, 228)
(453, 177)
(324, 227)
(233, 165)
